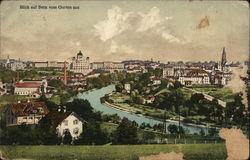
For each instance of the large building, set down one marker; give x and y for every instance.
(30, 88)
(190, 80)
(13, 64)
(109, 66)
(51, 64)
(25, 113)
(80, 64)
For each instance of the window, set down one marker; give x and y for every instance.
(65, 130)
(41, 110)
(76, 131)
(75, 121)
(65, 122)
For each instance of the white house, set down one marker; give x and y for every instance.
(66, 121)
(194, 79)
(156, 81)
(127, 87)
(25, 113)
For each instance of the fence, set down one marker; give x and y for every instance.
(184, 141)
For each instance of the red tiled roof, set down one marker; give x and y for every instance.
(28, 84)
(25, 109)
(55, 117)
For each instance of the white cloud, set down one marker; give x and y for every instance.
(118, 22)
(169, 37)
(115, 23)
(150, 20)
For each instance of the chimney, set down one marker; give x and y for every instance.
(65, 74)
(17, 76)
(64, 108)
(59, 108)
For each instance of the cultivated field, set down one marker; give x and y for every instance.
(122, 152)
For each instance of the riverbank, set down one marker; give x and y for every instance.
(149, 117)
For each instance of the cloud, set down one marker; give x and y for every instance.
(150, 20)
(118, 22)
(115, 23)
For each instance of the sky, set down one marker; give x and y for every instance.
(122, 30)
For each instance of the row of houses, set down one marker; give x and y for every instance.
(33, 113)
(190, 75)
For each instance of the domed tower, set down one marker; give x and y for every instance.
(79, 55)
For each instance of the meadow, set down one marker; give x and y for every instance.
(224, 94)
(113, 152)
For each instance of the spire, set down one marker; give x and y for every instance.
(224, 58)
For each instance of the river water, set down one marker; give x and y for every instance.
(94, 96)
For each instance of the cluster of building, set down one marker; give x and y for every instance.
(188, 73)
(220, 73)
(32, 113)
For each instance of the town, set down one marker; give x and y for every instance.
(46, 95)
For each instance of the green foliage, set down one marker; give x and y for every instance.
(119, 87)
(81, 107)
(92, 134)
(173, 129)
(202, 132)
(58, 84)
(126, 133)
(29, 135)
(7, 75)
(137, 99)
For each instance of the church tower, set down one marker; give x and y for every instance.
(223, 59)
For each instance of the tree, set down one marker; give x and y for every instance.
(67, 138)
(202, 132)
(47, 133)
(81, 107)
(58, 84)
(173, 129)
(119, 87)
(138, 99)
(158, 72)
(126, 133)
(92, 134)
(176, 84)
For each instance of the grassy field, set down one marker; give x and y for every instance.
(224, 94)
(121, 152)
(119, 100)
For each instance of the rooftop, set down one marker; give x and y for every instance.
(25, 109)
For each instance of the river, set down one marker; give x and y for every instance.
(94, 96)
